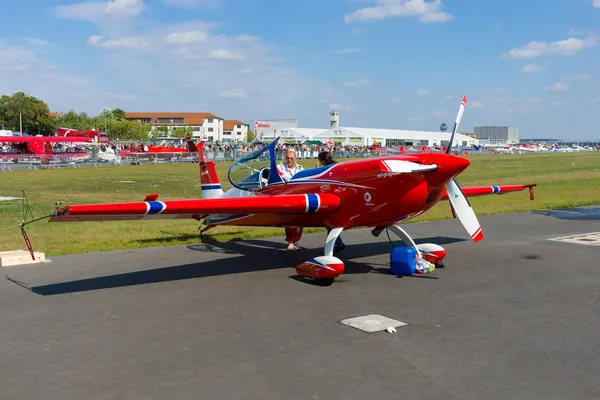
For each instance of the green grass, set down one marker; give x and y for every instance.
(564, 180)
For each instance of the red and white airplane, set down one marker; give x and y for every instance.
(42, 146)
(376, 192)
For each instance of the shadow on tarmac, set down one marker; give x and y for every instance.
(249, 250)
(589, 213)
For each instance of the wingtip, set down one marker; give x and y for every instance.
(464, 100)
(478, 236)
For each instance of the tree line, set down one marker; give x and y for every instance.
(36, 120)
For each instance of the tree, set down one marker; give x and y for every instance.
(34, 113)
(119, 114)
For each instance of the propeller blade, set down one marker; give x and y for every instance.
(461, 110)
(463, 210)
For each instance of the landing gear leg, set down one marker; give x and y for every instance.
(401, 233)
(326, 268)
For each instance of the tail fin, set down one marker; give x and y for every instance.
(209, 180)
(191, 147)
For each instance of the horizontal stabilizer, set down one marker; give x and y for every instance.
(177, 209)
(486, 190)
(405, 167)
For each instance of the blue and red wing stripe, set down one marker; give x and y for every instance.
(486, 190)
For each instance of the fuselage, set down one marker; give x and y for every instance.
(371, 194)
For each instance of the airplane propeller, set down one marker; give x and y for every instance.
(459, 201)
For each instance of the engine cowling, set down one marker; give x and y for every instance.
(322, 267)
(432, 252)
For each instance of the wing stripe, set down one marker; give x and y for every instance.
(313, 203)
(156, 207)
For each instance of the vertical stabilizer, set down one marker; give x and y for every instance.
(209, 180)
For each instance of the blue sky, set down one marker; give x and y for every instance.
(401, 64)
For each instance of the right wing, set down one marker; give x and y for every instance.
(150, 208)
(471, 191)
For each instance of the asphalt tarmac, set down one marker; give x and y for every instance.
(514, 316)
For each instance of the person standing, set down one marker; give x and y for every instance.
(287, 170)
(325, 158)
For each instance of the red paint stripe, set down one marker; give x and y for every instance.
(478, 235)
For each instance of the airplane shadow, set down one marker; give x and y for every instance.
(589, 213)
(255, 255)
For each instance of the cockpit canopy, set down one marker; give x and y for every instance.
(253, 171)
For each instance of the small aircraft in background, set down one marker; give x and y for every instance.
(42, 146)
(378, 192)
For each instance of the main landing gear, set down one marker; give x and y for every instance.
(324, 269)
(428, 251)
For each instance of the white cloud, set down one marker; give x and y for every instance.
(567, 47)
(531, 69)
(98, 11)
(579, 77)
(37, 41)
(16, 59)
(234, 93)
(164, 66)
(449, 96)
(21, 70)
(422, 92)
(194, 3)
(223, 54)
(439, 113)
(425, 11)
(557, 87)
(74, 80)
(121, 96)
(132, 42)
(360, 82)
(596, 4)
(247, 38)
(348, 50)
(186, 37)
(340, 107)
(476, 104)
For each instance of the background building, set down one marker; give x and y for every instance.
(202, 124)
(264, 129)
(235, 131)
(368, 136)
(497, 134)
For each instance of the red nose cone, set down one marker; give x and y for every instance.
(448, 166)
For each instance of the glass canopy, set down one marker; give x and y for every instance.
(252, 172)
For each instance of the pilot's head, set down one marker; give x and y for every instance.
(290, 159)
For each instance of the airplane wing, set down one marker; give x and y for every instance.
(472, 191)
(150, 208)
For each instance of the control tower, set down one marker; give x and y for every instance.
(334, 120)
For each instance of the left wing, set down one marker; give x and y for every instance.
(150, 208)
(485, 190)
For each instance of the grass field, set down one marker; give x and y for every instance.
(564, 180)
